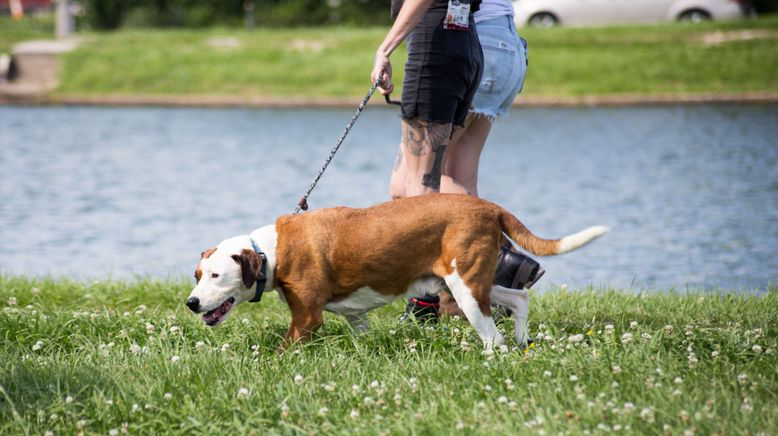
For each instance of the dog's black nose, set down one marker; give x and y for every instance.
(193, 303)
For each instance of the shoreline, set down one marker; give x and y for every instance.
(229, 101)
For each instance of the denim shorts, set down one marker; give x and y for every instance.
(442, 72)
(505, 65)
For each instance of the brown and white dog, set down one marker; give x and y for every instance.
(350, 261)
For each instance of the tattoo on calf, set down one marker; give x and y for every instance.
(420, 136)
(399, 160)
(432, 178)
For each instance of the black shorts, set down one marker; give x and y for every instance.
(443, 71)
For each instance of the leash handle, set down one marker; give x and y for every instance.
(390, 101)
(303, 203)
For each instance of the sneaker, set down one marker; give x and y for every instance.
(423, 309)
(516, 270)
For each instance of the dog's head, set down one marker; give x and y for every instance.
(226, 276)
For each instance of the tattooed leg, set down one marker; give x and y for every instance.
(397, 182)
(432, 178)
(423, 147)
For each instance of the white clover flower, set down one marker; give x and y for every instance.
(646, 336)
(460, 425)
(174, 329)
(676, 393)
(225, 347)
(54, 417)
(546, 373)
(243, 393)
(68, 399)
(140, 310)
(678, 380)
(324, 411)
(374, 384)
(629, 407)
(368, 401)
(633, 324)
(742, 378)
(626, 338)
(38, 345)
(168, 396)
(199, 344)
(245, 321)
(488, 352)
(135, 408)
(714, 353)
(298, 379)
(647, 414)
(12, 301)
(175, 359)
(412, 380)
(502, 400)
(504, 349)
(609, 328)
(693, 360)
(576, 338)
(135, 348)
(756, 349)
(616, 369)
(109, 403)
(573, 378)
(149, 328)
(487, 388)
(668, 329)
(746, 407)
(114, 432)
(329, 387)
(354, 414)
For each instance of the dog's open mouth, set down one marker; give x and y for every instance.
(217, 315)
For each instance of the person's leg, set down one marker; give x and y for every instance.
(460, 168)
(419, 164)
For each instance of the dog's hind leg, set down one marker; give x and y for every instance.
(482, 323)
(358, 322)
(517, 300)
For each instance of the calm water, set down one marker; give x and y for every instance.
(690, 192)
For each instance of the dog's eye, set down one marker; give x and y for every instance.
(214, 276)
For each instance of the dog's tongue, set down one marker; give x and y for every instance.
(218, 314)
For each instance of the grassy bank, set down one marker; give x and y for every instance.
(335, 62)
(111, 356)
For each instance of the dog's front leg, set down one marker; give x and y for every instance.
(305, 322)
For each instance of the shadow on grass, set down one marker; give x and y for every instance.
(25, 390)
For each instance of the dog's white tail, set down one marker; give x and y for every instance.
(574, 241)
(546, 247)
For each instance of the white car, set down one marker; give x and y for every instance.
(548, 13)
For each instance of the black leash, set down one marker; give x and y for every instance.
(303, 203)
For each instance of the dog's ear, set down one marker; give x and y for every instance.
(250, 265)
(207, 253)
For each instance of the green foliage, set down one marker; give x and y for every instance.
(110, 355)
(109, 14)
(336, 61)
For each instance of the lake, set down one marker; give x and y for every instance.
(690, 192)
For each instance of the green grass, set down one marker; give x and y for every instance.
(66, 362)
(31, 27)
(336, 62)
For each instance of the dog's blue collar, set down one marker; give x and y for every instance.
(262, 280)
